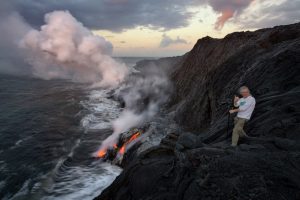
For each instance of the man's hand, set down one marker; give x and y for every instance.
(236, 99)
(233, 111)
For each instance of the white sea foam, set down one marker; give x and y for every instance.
(76, 183)
(83, 182)
(101, 110)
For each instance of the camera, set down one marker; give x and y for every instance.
(238, 95)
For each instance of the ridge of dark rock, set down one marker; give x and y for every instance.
(224, 65)
(167, 65)
(200, 164)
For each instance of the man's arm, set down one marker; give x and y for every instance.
(243, 108)
(236, 101)
(234, 111)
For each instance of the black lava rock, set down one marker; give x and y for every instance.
(202, 165)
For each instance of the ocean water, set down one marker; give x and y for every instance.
(49, 131)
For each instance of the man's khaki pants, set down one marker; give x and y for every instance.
(238, 130)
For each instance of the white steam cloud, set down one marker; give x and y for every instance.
(64, 48)
(143, 94)
(12, 29)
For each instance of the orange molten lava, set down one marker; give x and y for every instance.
(135, 136)
(123, 148)
(102, 153)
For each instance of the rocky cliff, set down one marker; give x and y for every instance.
(266, 60)
(197, 162)
(167, 65)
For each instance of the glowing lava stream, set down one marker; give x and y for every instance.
(102, 153)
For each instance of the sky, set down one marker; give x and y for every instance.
(160, 28)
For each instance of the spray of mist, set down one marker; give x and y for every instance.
(143, 94)
(64, 48)
(12, 29)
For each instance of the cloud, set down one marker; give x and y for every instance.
(168, 41)
(266, 13)
(228, 9)
(119, 15)
(64, 48)
(114, 15)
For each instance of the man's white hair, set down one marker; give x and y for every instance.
(244, 88)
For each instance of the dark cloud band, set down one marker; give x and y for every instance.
(115, 15)
(119, 15)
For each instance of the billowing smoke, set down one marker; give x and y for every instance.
(12, 29)
(228, 9)
(64, 48)
(143, 94)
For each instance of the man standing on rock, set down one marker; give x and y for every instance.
(246, 106)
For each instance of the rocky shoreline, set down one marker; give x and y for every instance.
(196, 160)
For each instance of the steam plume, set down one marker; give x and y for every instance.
(12, 29)
(143, 94)
(64, 48)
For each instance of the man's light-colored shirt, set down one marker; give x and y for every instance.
(246, 107)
